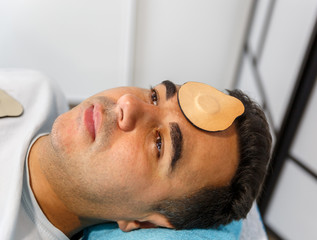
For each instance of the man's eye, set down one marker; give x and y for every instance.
(158, 143)
(154, 98)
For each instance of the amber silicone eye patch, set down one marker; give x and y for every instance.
(208, 108)
(9, 107)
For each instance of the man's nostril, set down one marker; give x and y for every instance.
(121, 114)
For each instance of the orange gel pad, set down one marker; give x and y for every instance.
(207, 108)
(9, 107)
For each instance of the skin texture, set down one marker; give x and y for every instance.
(80, 179)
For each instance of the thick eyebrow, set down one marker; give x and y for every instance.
(175, 131)
(170, 88)
(177, 143)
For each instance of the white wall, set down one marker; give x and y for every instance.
(87, 46)
(189, 40)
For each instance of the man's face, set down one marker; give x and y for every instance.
(126, 148)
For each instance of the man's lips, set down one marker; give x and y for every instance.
(90, 121)
(93, 118)
(98, 112)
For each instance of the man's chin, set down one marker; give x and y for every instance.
(62, 134)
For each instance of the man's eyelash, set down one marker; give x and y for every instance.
(158, 139)
(158, 143)
(154, 96)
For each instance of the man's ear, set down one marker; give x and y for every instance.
(152, 221)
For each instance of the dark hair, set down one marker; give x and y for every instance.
(211, 206)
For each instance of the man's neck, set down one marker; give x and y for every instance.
(51, 205)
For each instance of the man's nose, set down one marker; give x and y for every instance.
(134, 111)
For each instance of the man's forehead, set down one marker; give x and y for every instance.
(208, 108)
(194, 140)
(203, 106)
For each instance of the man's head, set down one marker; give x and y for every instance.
(212, 206)
(130, 155)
